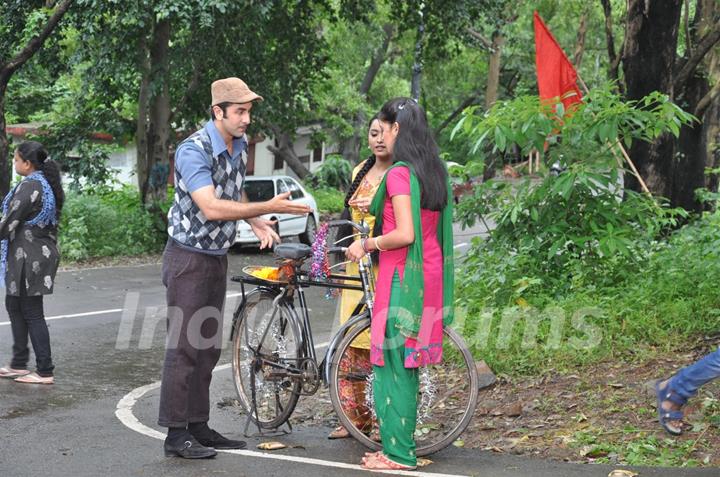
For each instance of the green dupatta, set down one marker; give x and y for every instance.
(412, 287)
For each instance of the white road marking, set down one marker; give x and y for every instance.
(124, 412)
(75, 315)
(464, 244)
(99, 312)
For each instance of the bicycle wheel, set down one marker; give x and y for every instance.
(446, 399)
(265, 344)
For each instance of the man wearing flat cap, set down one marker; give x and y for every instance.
(209, 199)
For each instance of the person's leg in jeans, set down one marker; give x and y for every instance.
(21, 352)
(686, 382)
(689, 379)
(34, 314)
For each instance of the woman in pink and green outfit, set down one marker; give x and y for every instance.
(414, 289)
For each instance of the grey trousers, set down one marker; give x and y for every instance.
(196, 284)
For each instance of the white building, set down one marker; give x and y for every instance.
(262, 162)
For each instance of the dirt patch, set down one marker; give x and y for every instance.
(603, 413)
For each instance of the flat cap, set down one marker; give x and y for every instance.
(232, 90)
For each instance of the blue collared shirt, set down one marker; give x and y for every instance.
(194, 165)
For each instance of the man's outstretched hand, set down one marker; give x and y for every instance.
(281, 204)
(265, 231)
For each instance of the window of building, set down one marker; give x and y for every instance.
(317, 154)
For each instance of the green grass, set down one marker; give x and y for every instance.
(660, 303)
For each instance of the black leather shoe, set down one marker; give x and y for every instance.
(188, 448)
(218, 441)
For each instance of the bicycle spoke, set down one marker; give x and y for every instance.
(264, 361)
(446, 397)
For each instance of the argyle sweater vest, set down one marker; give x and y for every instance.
(186, 222)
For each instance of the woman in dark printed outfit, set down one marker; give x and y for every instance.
(29, 259)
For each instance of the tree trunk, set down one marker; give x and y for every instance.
(141, 137)
(155, 119)
(711, 120)
(689, 166)
(286, 151)
(350, 147)
(698, 144)
(493, 82)
(613, 57)
(580, 41)
(5, 167)
(648, 60)
(418, 65)
(6, 72)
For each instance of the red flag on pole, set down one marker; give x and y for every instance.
(556, 75)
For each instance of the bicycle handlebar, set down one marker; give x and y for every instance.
(363, 229)
(337, 249)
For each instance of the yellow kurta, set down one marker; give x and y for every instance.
(350, 298)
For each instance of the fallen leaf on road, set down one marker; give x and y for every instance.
(272, 445)
(514, 410)
(422, 462)
(622, 473)
(516, 441)
(494, 449)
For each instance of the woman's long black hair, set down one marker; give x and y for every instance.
(35, 153)
(416, 146)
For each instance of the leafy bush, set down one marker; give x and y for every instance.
(328, 200)
(575, 269)
(523, 322)
(568, 232)
(108, 223)
(334, 173)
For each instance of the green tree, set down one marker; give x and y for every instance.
(654, 59)
(24, 27)
(163, 55)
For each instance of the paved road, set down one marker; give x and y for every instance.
(107, 334)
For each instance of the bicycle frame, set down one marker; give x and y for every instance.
(299, 281)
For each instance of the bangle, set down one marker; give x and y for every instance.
(377, 244)
(362, 244)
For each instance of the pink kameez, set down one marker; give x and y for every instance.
(426, 348)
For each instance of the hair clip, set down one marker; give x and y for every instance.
(411, 100)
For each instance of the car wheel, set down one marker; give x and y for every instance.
(308, 237)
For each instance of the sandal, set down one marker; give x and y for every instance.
(35, 378)
(371, 454)
(8, 372)
(666, 416)
(339, 433)
(380, 461)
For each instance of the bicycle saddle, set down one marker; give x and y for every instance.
(294, 251)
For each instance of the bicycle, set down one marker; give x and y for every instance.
(274, 359)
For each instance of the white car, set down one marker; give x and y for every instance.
(262, 188)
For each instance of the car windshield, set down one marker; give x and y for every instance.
(259, 191)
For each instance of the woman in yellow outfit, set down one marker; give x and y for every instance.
(366, 178)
